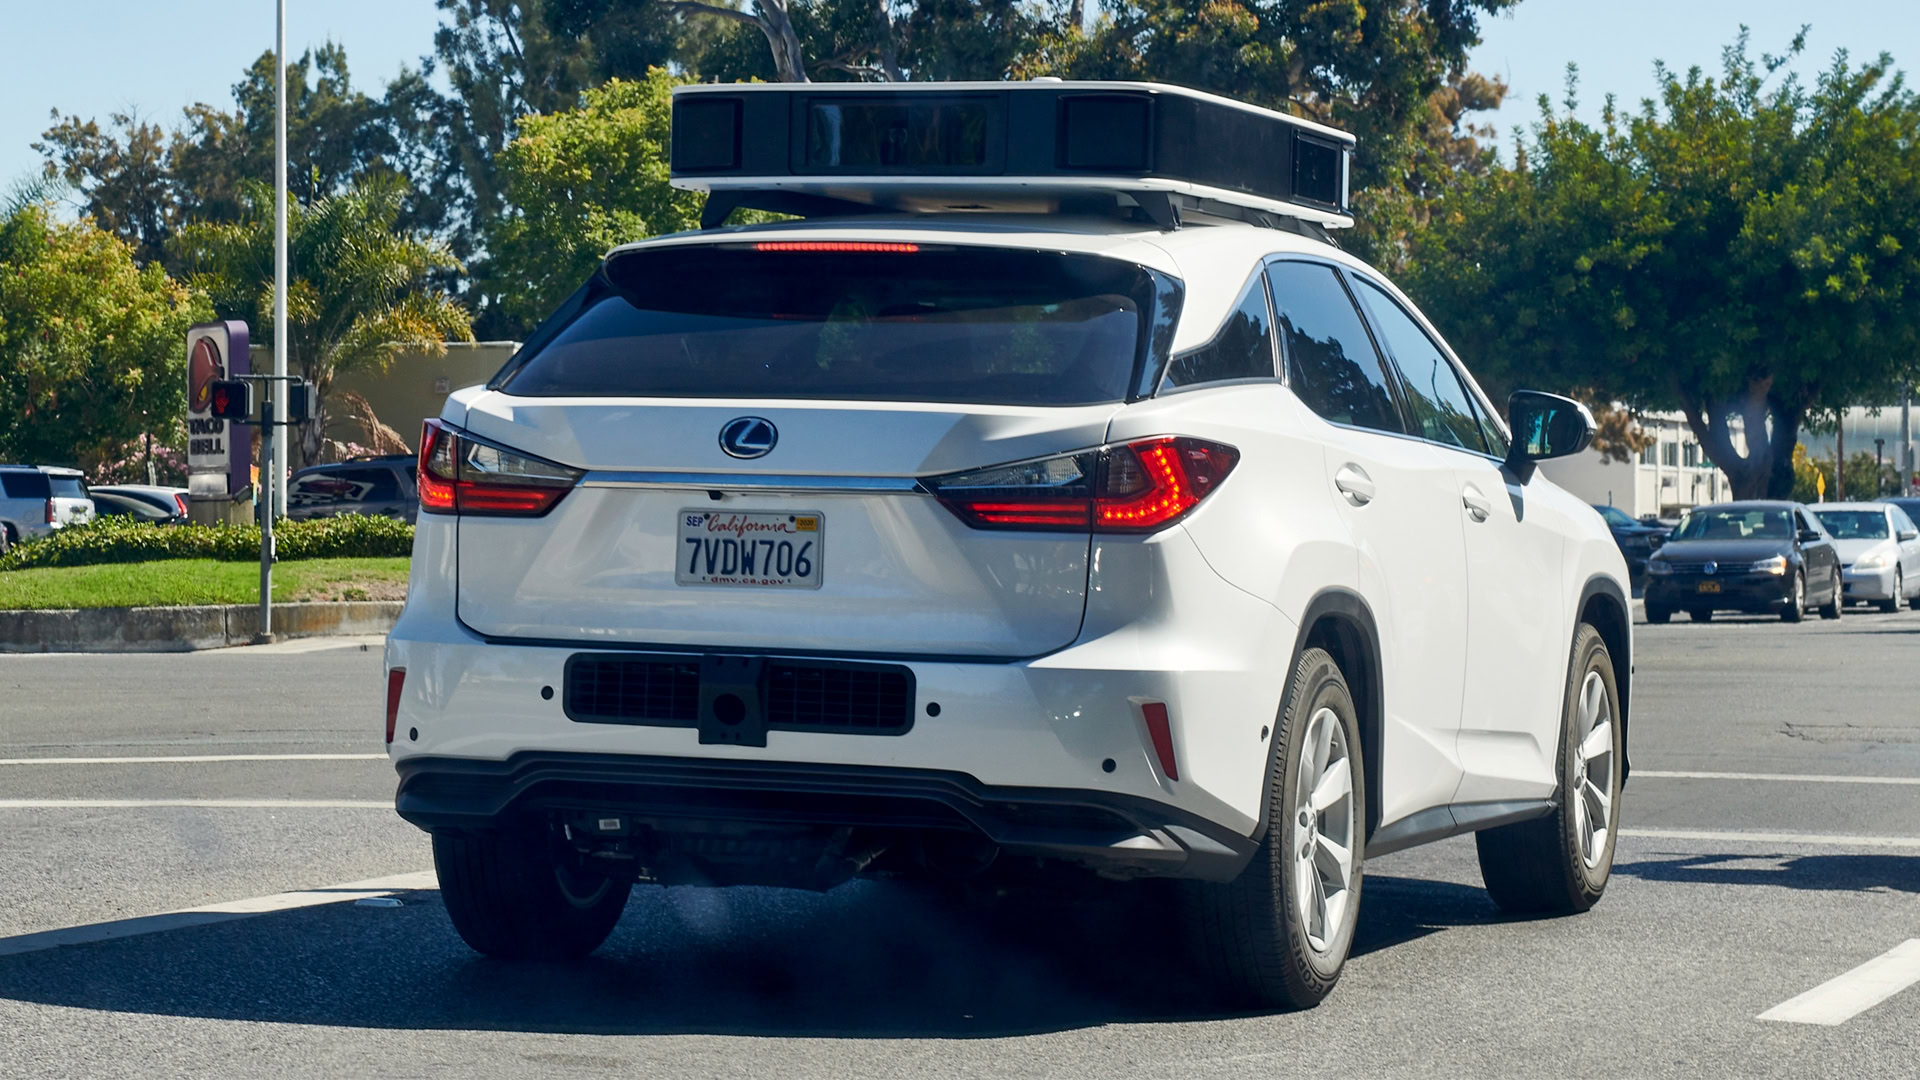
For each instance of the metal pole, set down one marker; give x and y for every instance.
(280, 458)
(264, 635)
(1906, 439)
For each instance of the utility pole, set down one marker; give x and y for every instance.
(1906, 441)
(1840, 456)
(280, 458)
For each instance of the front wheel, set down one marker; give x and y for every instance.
(1892, 605)
(1559, 864)
(1796, 608)
(1278, 935)
(516, 894)
(1657, 616)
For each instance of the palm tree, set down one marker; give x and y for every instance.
(359, 289)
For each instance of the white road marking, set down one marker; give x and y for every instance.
(1842, 998)
(213, 913)
(188, 759)
(1814, 839)
(1788, 778)
(196, 804)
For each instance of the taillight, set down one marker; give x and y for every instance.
(49, 511)
(1133, 487)
(460, 474)
(396, 680)
(180, 501)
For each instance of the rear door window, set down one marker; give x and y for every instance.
(1243, 349)
(1441, 407)
(1331, 361)
(879, 322)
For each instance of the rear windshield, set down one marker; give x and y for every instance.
(964, 325)
(67, 486)
(1854, 524)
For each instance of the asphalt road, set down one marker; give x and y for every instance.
(1772, 845)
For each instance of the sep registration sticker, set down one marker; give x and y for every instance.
(762, 550)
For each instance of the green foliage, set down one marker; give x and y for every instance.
(90, 344)
(1745, 245)
(197, 581)
(1866, 478)
(125, 540)
(581, 182)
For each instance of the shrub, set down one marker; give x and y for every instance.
(120, 540)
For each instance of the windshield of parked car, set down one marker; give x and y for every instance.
(1615, 516)
(972, 325)
(1854, 524)
(1735, 523)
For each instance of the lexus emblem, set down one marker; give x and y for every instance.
(748, 437)
(1710, 568)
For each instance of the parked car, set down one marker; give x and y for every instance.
(1908, 503)
(37, 499)
(142, 502)
(1879, 551)
(378, 486)
(985, 547)
(1753, 557)
(1637, 539)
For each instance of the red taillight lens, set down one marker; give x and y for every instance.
(180, 501)
(1160, 733)
(843, 247)
(1137, 487)
(49, 511)
(460, 474)
(396, 679)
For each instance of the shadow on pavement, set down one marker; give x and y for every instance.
(865, 961)
(1834, 873)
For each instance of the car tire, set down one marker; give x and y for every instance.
(1701, 615)
(1831, 609)
(1891, 605)
(1796, 608)
(1560, 864)
(513, 896)
(1274, 937)
(1658, 616)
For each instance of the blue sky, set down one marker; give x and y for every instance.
(93, 57)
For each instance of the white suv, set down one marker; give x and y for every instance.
(974, 545)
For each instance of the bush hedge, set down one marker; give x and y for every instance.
(120, 540)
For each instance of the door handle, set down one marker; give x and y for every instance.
(1478, 508)
(1354, 483)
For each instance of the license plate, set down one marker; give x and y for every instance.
(757, 550)
(1709, 586)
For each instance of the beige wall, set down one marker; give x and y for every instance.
(412, 388)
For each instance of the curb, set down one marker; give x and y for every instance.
(185, 629)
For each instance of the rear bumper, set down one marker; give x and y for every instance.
(1112, 833)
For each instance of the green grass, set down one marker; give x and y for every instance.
(171, 582)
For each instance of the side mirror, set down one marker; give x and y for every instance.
(1545, 426)
(1808, 536)
(1909, 534)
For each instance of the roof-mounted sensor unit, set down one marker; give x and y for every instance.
(1038, 147)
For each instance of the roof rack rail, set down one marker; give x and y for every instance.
(1156, 151)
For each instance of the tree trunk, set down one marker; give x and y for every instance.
(1765, 471)
(889, 51)
(776, 23)
(1077, 16)
(1840, 456)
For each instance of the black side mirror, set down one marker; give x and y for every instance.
(1545, 426)
(1808, 536)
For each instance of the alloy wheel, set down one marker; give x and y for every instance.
(1592, 790)
(1326, 823)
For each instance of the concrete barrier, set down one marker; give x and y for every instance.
(183, 629)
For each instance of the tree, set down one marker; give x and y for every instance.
(358, 294)
(1744, 247)
(90, 343)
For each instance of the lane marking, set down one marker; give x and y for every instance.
(1844, 997)
(1791, 778)
(184, 759)
(1815, 839)
(195, 804)
(214, 913)
(188, 759)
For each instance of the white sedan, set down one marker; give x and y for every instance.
(1879, 549)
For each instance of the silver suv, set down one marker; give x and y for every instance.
(37, 499)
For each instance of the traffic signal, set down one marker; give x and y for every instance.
(230, 399)
(299, 401)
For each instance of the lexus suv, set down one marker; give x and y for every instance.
(999, 546)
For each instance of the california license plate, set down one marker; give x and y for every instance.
(1709, 586)
(764, 550)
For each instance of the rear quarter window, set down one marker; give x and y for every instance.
(26, 485)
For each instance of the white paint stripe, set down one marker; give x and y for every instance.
(1786, 778)
(213, 913)
(188, 759)
(1814, 839)
(196, 804)
(1841, 999)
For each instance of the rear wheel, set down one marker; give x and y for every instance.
(1796, 608)
(1277, 935)
(1560, 864)
(517, 895)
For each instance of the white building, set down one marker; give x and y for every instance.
(1666, 478)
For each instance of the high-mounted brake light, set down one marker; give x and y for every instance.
(460, 474)
(838, 246)
(1139, 486)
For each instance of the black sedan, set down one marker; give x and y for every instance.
(1638, 540)
(1754, 557)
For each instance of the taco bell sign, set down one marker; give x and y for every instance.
(217, 455)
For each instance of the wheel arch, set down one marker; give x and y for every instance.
(1604, 606)
(1339, 621)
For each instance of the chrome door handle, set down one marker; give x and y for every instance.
(1354, 483)
(1478, 508)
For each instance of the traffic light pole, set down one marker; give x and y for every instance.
(270, 496)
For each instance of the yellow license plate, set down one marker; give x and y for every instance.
(1709, 586)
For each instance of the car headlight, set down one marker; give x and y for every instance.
(1776, 565)
(1872, 562)
(1659, 566)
